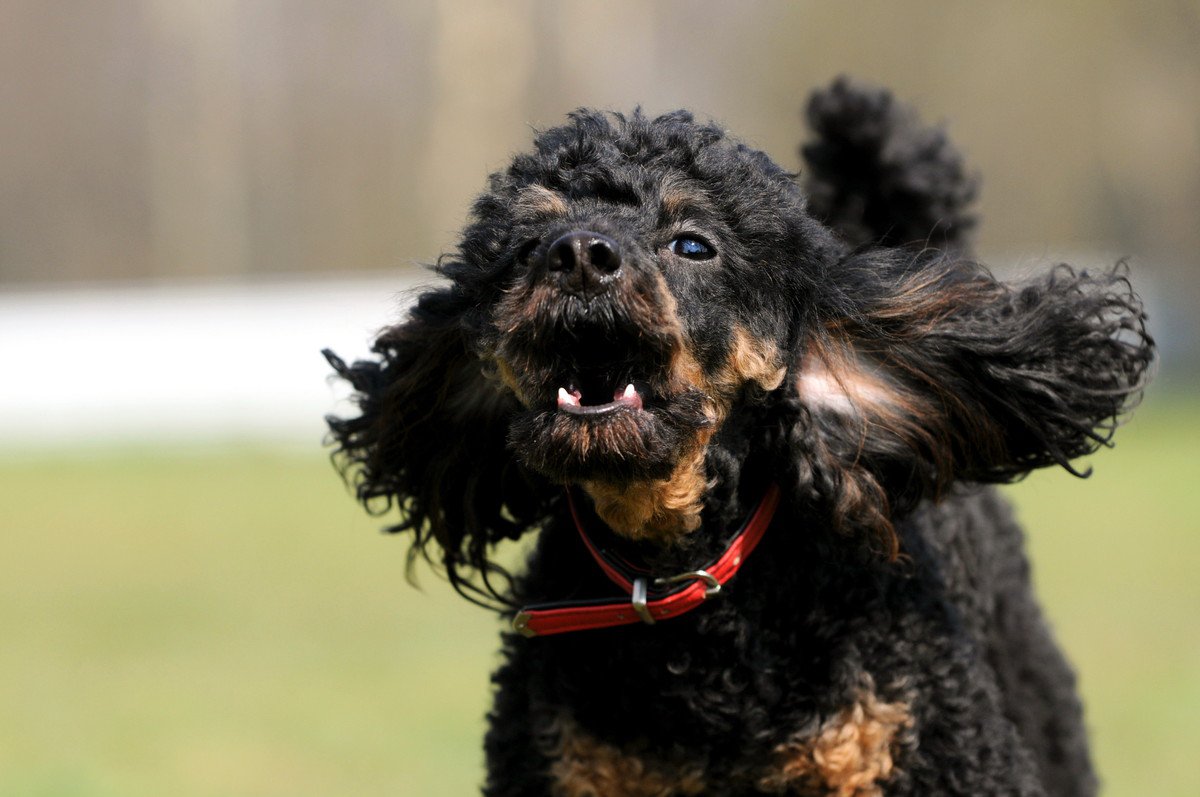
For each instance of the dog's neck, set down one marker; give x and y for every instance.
(657, 510)
(668, 512)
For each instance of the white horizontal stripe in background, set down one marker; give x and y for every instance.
(200, 362)
(243, 361)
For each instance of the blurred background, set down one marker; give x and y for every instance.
(195, 197)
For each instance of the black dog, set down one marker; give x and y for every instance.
(749, 422)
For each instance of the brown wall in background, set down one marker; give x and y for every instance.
(173, 138)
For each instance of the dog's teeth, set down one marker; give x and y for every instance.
(629, 397)
(566, 399)
(627, 394)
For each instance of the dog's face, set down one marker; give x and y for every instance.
(627, 288)
(650, 276)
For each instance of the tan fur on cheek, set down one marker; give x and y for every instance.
(750, 361)
(586, 767)
(851, 755)
(753, 360)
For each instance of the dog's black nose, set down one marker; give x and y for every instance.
(586, 262)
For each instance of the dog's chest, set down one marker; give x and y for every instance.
(648, 715)
(849, 753)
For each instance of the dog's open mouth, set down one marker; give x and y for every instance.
(602, 404)
(593, 373)
(571, 400)
(599, 379)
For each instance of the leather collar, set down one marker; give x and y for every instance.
(650, 600)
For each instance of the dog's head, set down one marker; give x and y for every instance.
(631, 286)
(651, 275)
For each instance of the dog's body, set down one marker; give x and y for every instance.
(755, 340)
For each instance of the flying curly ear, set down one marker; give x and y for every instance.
(929, 370)
(430, 441)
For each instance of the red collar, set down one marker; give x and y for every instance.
(650, 599)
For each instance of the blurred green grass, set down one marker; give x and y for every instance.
(226, 621)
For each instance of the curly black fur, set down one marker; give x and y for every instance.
(884, 638)
(879, 177)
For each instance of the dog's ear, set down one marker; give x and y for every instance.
(429, 440)
(928, 370)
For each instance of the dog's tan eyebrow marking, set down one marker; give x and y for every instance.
(676, 201)
(537, 200)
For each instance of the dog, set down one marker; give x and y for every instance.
(749, 422)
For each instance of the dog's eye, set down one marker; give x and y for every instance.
(526, 250)
(692, 248)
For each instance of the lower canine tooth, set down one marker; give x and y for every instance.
(630, 392)
(565, 399)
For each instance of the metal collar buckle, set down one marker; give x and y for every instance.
(712, 587)
(638, 599)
